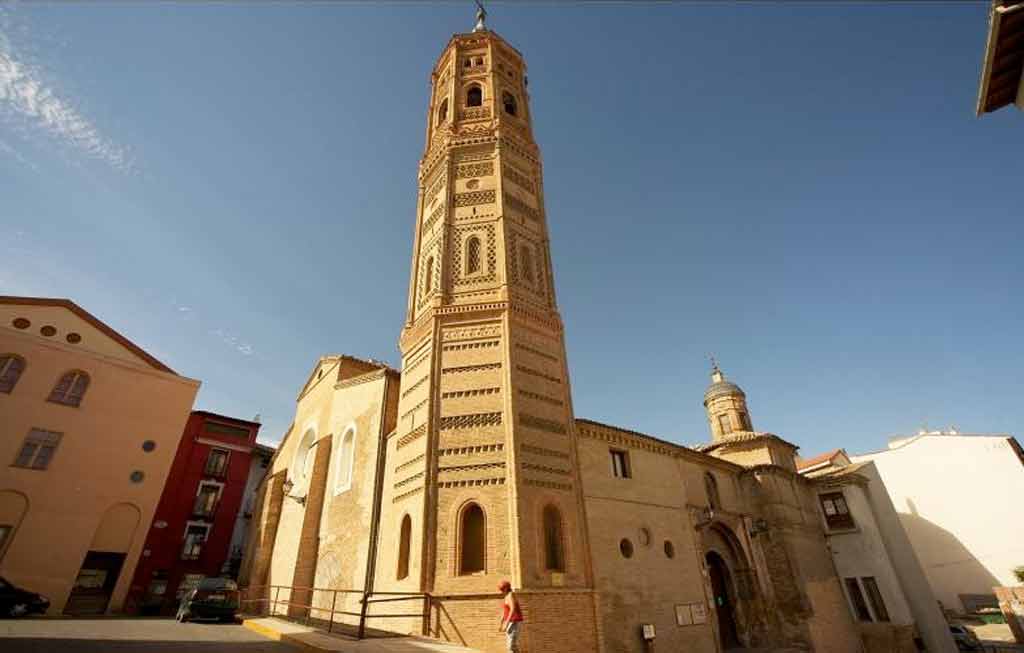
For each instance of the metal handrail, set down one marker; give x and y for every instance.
(366, 598)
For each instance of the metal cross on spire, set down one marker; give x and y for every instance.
(481, 16)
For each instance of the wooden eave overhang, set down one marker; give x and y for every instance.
(1002, 73)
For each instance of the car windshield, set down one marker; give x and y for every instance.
(212, 584)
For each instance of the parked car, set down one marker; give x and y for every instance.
(17, 602)
(964, 637)
(213, 598)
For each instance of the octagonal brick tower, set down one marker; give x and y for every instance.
(482, 481)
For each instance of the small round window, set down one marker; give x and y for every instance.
(670, 549)
(148, 446)
(137, 476)
(21, 323)
(626, 548)
(48, 331)
(645, 537)
(73, 338)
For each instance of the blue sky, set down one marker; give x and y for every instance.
(802, 189)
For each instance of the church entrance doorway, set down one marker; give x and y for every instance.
(718, 572)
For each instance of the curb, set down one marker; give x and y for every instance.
(293, 640)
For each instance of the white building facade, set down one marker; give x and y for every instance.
(886, 590)
(956, 496)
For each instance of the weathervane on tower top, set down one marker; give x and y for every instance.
(481, 16)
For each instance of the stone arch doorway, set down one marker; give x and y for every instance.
(733, 587)
(723, 597)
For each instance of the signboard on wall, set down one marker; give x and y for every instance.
(683, 617)
(699, 612)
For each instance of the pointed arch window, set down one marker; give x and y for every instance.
(70, 389)
(473, 259)
(509, 102)
(526, 261)
(428, 276)
(554, 554)
(711, 489)
(472, 540)
(474, 96)
(404, 538)
(442, 112)
(11, 367)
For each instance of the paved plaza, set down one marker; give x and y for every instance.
(111, 635)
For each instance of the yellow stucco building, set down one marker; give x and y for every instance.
(89, 425)
(468, 465)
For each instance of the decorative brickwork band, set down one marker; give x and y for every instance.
(537, 352)
(541, 424)
(546, 470)
(470, 421)
(471, 345)
(541, 451)
(475, 170)
(472, 482)
(471, 368)
(518, 205)
(567, 487)
(540, 397)
(537, 373)
(462, 451)
(471, 333)
(410, 493)
(410, 463)
(458, 394)
(409, 480)
(415, 434)
(413, 387)
(475, 197)
(518, 178)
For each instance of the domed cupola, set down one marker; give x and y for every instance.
(726, 406)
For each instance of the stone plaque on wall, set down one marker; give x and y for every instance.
(699, 612)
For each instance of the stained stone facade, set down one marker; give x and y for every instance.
(468, 466)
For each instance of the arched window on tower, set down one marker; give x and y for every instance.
(473, 262)
(711, 489)
(474, 96)
(745, 421)
(526, 263)
(442, 112)
(509, 102)
(11, 367)
(70, 389)
(404, 538)
(472, 540)
(724, 424)
(554, 555)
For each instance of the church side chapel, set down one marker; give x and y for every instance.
(468, 466)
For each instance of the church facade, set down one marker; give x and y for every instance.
(468, 466)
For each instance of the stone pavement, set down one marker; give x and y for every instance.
(130, 635)
(315, 641)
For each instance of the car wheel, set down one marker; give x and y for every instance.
(18, 610)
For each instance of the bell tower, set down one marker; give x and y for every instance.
(483, 462)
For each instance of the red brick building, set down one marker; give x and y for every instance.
(191, 534)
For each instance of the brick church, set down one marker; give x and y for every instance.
(468, 466)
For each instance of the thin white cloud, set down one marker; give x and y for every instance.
(17, 156)
(25, 96)
(189, 314)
